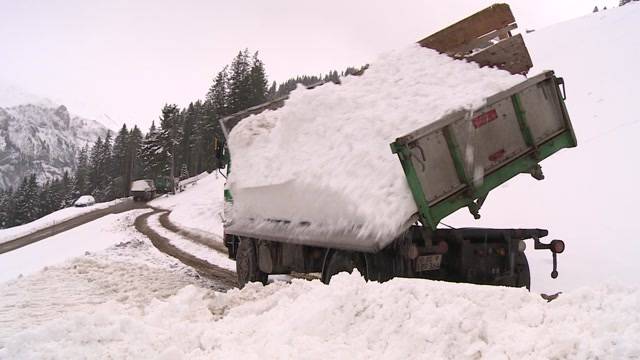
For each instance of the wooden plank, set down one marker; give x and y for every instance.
(483, 41)
(510, 54)
(492, 18)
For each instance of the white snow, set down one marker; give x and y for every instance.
(200, 251)
(130, 301)
(85, 200)
(132, 272)
(142, 185)
(51, 219)
(93, 236)
(587, 197)
(400, 319)
(325, 158)
(199, 208)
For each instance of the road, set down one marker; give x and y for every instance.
(125, 205)
(226, 277)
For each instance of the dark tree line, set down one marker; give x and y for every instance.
(189, 140)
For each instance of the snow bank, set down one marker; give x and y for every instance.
(132, 272)
(325, 158)
(199, 208)
(93, 236)
(51, 219)
(399, 319)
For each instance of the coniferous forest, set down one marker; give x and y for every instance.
(191, 134)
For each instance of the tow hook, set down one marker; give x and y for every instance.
(556, 247)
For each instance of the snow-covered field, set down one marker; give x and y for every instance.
(51, 219)
(199, 208)
(400, 319)
(105, 292)
(588, 197)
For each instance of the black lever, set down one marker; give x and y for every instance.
(556, 247)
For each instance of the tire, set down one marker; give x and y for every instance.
(247, 264)
(523, 276)
(337, 261)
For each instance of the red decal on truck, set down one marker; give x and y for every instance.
(497, 155)
(484, 118)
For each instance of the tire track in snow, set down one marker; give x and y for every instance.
(216, 245)
(203, 267)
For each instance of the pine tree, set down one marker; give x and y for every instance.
(218, 95)
(5, 208)
(95, 167)
(149, 153)
(120, 161)
(595, 9)
(257, 82)
(26, 201)
(239, 82)
(134, 159)
(81, 178)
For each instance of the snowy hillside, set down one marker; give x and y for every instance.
(199, 208)
(41, 140)
(587, 197)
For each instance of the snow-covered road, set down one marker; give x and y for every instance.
(131, 271)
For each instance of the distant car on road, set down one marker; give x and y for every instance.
(143, 190)
(84, 200)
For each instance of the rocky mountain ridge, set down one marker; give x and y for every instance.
(41, 139)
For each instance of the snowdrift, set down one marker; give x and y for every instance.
(324, 157)
(399, 319)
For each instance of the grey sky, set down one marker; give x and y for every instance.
(127, 58)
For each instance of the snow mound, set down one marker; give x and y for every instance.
(400, 319)
(55, 217)
(325, 158)
(200, 207)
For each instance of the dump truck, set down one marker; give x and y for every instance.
(143, 190)
(511, 133)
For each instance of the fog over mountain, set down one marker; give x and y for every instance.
(39, 136)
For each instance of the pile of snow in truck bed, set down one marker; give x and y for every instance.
(400, 319)
(325, 157)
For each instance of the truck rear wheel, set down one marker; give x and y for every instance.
(523, 276)
(337, 261)
(247, 264)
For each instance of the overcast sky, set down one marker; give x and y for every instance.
(126, 59)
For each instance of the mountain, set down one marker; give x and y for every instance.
(41, 138)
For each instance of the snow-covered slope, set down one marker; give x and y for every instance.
(588, 197)
(199, 208)
(41, 140)
(55, 217)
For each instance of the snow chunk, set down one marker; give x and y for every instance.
(399, 319)
(325, 158)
